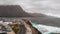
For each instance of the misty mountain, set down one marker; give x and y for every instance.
(45, 20)
(12, 11)
(17, 11)
(37, 14)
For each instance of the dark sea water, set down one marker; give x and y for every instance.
(50, 21)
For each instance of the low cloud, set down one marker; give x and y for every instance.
(36, 6)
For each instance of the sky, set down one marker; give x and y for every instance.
(48, 7)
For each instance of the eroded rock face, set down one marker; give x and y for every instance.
(12, 11)
(22, 30)
(28, 28)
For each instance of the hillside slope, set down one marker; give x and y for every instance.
(12, 11)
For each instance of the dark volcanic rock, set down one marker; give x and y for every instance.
(12, 11)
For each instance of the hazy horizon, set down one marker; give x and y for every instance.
(48, 7)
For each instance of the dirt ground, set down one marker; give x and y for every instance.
(12, 32)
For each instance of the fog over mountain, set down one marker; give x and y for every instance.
(48, 7)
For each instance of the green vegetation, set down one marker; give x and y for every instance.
(15, 28)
